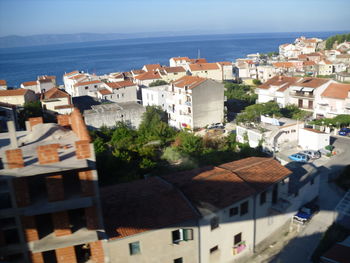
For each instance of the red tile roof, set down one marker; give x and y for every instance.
(30, 83)
(105, 92)
(14, 92)
(181, 58)
(203, 66)
(283, 65)
(143, 205)
(189, 81)
(198, 60)
(71, 73)
(174, 69)
(138, 71)
(120, 84)
(279, 81)
(312, 130)
(309, 63)
(55, 93)
(152, 67)
(225, 63)
(311, 82)
(3, 82)
(148, 75)
(63, 107)
(76, 77)
(87, 83)
(337, 91)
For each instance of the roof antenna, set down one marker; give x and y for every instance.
(199, 53)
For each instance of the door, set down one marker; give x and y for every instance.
(300, 103)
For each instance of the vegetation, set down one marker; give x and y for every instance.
(124, 154)
(158, 82)
(30, 109)
(325, 76)
(252, 113)
(256, 82)
(241, 92)
(271, 54)
(342, 120)
(336, 39)
(335, 233)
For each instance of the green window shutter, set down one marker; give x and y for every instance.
(187, 234)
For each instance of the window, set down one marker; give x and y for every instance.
(134, 248)
(244, 208)
(123, 95)
(237, 239)
(86, 87)
(214, 223)
(263, 198)
(234, 211)
(95, 86)
(213, 249)
(178, 260)
(182, 235)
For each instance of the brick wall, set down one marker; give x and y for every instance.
(86, 182)
(97, 254)
(91, 218)
(14, 158)
(63, 120)
(60, 222)
(66, 255)
(35, 121)
(78, 125)
(82, 149)
(36, 257)
(55, 187)
(48, 153)
(29, 228)
(21, 191)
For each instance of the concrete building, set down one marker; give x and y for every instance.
(3, 84)
(155, 96)
(169, 74)
(42, 84)
(50, 208)
(311, 139)
(111, 113)
(325, 68)
(86, 88)
(144, 79)
(266, 72)
(159, 225)
(57, 100)
(226, 69)
(335, 100)
(31, 85)
(195, 102)
(121, 91)
(17, 97)
(206, 70)
(8, 112)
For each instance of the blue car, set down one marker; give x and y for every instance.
(298, 157)
(306, 212)
(344, 132)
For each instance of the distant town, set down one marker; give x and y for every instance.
(194, 161)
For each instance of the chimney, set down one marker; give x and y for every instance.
(12, 133)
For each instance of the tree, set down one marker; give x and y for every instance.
(240, 92)
(252, 113)
(30, 109)
(158, 82)
(256, 82)
(293, 112)
(188, 143)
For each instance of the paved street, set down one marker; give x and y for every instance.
(301, 248)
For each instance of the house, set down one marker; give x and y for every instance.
(31, 85)
(345, 58)
(137, 72)
(265, 72)
(46, 83)
(111, 113)
(307, 91)
(17, 97)
(276, 89)
(179, 61)
(57, 100)
(246, 69)
(8, 112)
(325, 68)
(226, 68)
(169, 74)
(89, 88)
(194, 102)
(121, 91)
(335, 100)
(155, 96)
(151, 67)
(285, 67)
(74, 77)
(206, 70)
(310, 67)
(3, 84)
(159, 225)
(146, 78)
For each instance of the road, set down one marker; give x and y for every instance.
(301, 248)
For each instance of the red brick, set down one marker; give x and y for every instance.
(91, 218)
(55, 187)
(35, 121)
(36, 257)
(78, 125)
(48, 153)
(66, 255)
(29, 228)
(60, 222)
(14, 158)
(82, 149)
(86, 182)
(21, 191)
(63, 120)
(97, 254)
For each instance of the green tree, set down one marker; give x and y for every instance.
(252, 113)
(256, 82)
(242, 92)
(158, 82)
(188, 143)
(293, 112)
(30, 109)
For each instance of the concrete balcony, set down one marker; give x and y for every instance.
(302, 95)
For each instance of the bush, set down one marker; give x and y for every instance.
(158, 83)
(256, 82)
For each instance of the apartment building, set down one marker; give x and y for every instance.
(50, 208)
(195, 102)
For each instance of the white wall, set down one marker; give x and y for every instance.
(313, 140)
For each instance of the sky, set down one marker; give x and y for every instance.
(31, 17)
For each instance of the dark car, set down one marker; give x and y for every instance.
(344, 132)
(306, 212)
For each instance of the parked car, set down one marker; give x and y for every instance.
(298, 157)
(306, 212)
(344, 132)
(312, 154)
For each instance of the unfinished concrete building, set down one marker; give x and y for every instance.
(49, 208)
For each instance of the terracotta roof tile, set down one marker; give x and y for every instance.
(189, 81)
(120, 84)
(152, 67)
(279, 81)
(148, 75)
(76, 77)
(143, 205)
(71, 73)
(55, 93)
(174, 69)
(3, 82)
(311, 82)
(337, 91)
(137, 71)
(63, 107)
(181, 58)
(14, 92)
(283, 65)
(30, 83)
(203, 66)
(313, 130)
(87, 83)
(198, 60)
(105, 92)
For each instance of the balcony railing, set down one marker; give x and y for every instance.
(238, 248)
(302, 94)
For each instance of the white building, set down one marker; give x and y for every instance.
(266, 72)
(86, 88)
(17, 97)
(155, 96)
(121, 91)
(169, 74)
(195, 102)
(146, 78)
(57, 100)
(206, 70)
(310, 139)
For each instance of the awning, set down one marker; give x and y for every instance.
(308, 89)
(295, 88)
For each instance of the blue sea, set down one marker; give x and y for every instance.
(26, 63)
